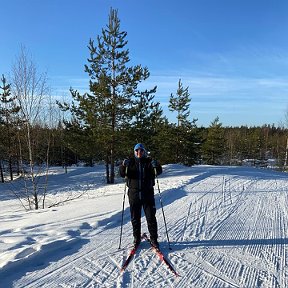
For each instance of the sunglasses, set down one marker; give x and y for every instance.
(141, 150)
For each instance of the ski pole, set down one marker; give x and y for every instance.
(162, 207)
(123, 207)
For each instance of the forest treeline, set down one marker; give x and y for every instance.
(72, 143)
(103, 125)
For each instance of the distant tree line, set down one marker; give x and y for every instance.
(106, 122)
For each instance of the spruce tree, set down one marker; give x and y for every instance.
(213, 147)
(8, 110)
(148, 117)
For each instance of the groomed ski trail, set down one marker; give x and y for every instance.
(227, 227)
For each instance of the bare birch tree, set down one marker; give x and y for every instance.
(30, 89)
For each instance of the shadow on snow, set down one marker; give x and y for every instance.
(178, 246)
(39, 260)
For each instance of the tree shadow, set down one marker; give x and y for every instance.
(51, 252)
(178, 246)
(58, 181)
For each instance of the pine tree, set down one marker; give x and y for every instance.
(113, 84)
(180, 103)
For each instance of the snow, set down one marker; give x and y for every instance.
(227, 227)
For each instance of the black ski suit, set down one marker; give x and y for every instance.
(140, 182)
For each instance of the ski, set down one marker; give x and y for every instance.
(129, 258)
(161, 256)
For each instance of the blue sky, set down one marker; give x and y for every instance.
(232, 54)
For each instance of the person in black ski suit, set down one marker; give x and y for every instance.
(140, 173)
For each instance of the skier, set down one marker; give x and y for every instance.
(140, 173)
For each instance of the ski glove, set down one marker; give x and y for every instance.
(126, 162)
(154, 163)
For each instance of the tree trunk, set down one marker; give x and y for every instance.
(112, 160)
(107, 169)
(286, 154)
(112, 173)
(1, 172)
(10, 168)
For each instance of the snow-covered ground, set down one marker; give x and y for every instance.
(227, 228)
